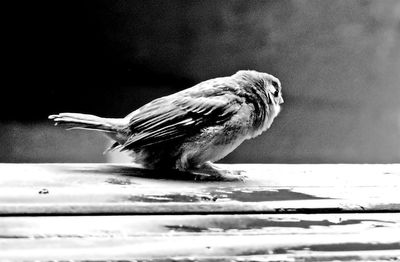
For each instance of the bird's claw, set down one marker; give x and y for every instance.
(220, 175)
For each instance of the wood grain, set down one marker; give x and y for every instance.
(282, 237)
(86, 212)
(62, 189)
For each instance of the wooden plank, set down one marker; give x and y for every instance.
(114, 189)
(283, 237)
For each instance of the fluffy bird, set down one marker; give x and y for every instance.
(191, 129)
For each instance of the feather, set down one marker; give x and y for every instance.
(178, 116)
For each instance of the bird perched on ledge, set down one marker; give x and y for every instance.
(192, 128)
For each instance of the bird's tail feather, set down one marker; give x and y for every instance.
(84, 121)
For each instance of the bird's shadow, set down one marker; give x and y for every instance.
(157, 174)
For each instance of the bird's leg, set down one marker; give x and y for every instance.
(210, 171)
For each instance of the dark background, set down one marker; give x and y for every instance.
(338, 61)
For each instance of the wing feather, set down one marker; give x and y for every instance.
(178, 116)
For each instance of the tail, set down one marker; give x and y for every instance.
(84, 121)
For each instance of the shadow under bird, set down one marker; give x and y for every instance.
(190, 129)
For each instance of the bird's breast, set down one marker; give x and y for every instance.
(271, 112)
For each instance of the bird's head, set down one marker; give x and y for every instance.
(266, 82)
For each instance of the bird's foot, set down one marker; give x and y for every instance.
(211, 172)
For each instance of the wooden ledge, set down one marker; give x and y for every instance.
(63, 189)
(99, 212)
(275, 237)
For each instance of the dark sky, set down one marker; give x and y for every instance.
(56, 48)
(63, 55)
(338, 61)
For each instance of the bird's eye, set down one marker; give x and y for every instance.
(276, 86)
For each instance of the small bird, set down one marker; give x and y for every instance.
(191, 129)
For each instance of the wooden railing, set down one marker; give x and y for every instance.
(120, 212)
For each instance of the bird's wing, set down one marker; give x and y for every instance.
(177, 116)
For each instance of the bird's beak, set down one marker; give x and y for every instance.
(281, 101)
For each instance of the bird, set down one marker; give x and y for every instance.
(193, 128)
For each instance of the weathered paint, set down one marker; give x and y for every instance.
(98, 188)
(281, 213)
